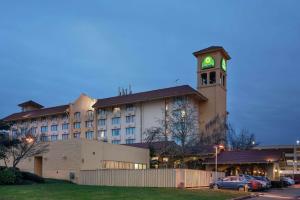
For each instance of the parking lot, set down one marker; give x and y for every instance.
(292, 192)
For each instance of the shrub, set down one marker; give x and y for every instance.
(7, 176)
(32, 177)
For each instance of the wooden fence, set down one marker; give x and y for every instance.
(148, 177)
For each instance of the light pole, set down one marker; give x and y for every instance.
(295, 163)
(216, 159)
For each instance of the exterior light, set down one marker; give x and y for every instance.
(276, 170)
(165, 159)
(298, 141)
(253, 142)
(29, 140)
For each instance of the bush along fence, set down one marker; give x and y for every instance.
(176, 178)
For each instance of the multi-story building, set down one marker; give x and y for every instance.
(124, 118)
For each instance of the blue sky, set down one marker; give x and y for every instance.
(51, 51)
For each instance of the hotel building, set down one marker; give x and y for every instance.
(124, 118)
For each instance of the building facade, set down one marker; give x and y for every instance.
(123, 119)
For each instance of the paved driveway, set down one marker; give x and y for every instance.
(286, 193)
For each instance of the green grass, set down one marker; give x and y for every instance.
(63, 190)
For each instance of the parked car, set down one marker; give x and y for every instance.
(287, 181)
(266, 183)
(255, 184)
(232, 182)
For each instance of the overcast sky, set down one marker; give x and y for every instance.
(51, 51)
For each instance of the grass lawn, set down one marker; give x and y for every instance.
(61, 191)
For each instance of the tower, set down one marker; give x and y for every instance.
(212, 82)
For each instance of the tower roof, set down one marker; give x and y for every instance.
(213, 49)
(31, 103)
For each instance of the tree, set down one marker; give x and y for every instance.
(23, 144)
(243, 140)
(215, 131)
(180, 123)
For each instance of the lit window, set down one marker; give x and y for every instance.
(115, 132)
(115, 120)
(54, 128)
(102, 134)
(130, 131)
(116, 109)
(89, 135)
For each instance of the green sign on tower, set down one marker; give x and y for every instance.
(224, 64)
(208, 62)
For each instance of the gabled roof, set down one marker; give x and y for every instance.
(37, 113)
(31, 103)
(247, 156)
(149, 96)
(213, 49)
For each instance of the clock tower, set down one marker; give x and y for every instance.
(212, 82)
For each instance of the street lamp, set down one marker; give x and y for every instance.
(216, 159)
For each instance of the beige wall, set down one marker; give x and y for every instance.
(74, 155)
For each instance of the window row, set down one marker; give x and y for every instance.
(128, 107)
(117, 120)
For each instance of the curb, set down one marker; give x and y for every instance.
(246, 197)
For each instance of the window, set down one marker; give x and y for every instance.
(115, 120)
(90, 113)
(44, 129)
(130, 119)
(223, 80)
(115, 132)
(204, 79)
(14, 133)
(65, 126)
(129, 107)
(43, 119)
(77, 115)
(77, 125)
(115, 141)
(54, 118)
(33, 121)
(212, 77)
(23, 131)
(102, 134)
(130, 131)
(116, 109)
(44, 138)
(65, 117)
(101, 122)
(33, 130)
(130, 141)
(89, 135)
(65, 136)
(89, 124)
(54, 137)
(101, 112)
(77, 135)
(54, 128)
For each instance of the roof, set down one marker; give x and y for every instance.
(155, 145)
(37, 113)
(149, 95)
(247, 156)
(31, 103)
(213, 49)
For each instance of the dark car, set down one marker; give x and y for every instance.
(231, 182)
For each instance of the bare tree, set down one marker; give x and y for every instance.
(243, 140)
(23, 144)
(215, 131)
(180, 123)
